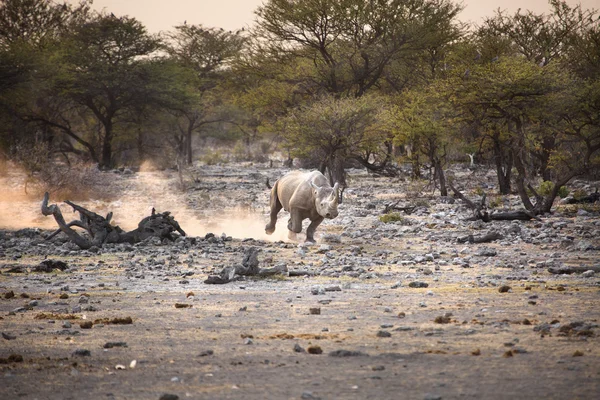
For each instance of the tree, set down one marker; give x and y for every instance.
(424, 120)
(30, 31)
(334, 130)
(352, 43)
(204, 54)
(105, 68)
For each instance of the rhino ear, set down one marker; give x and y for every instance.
(336, 187)
(315, 187)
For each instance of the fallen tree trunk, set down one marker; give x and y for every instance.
(395, 207)
(249, 267)
(591, 198)
(100, 230)
(572, 270)
(480, 214)
(489, 237)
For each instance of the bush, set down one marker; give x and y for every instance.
(390, 217)
(213, 158)
(546, 187)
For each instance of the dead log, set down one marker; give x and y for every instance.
(488, 237)
(591, 198)
(249, 267)
(572, 270)
(100, 230)
(479, 212)
(394, 207)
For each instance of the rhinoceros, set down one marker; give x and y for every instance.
(304, 195)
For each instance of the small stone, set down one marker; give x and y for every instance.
(315, 310)
(315, 349)
(346, 353)
(168, 396)
(578, 353)
(309, 396)
(299, 349)
(504, 289)
(383, 334)
(82, 353)
(588, 274)
(86, 325)
(401, 314)
(205, 353)
(430, 396)
(110, 345)
(63, 296)
(417, 284)
(476, 352)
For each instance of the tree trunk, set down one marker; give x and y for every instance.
(440, 176)
(503, 167)
(335, 171)
(521, 176)
(106, 161)
(188, 145)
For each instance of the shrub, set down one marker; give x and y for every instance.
(390, 217)
(213, 158)
(546, 187)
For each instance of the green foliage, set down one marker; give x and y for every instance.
(546, 187)
(353, 45)
(213, 158)
(579, 193)
(333, 130)
(391, 217)
(495, 202)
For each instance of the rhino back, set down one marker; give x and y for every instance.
(295, 188)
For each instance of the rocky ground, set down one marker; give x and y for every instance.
(374, 310)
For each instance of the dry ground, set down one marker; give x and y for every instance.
(460, 337)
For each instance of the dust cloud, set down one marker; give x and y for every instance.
(133, 198)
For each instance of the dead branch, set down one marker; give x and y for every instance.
(572, 270)
(101, 231)
(488, 237)
(591, 198)
(394, 207)
(478, 214)
(249, 267)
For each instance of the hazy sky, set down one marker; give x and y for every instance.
(162, 15)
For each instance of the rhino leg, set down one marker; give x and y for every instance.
(310, 231)
(276, 206)
(295, 222)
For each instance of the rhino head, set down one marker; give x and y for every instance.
(326, 200)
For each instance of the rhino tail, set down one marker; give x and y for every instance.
(274, 198)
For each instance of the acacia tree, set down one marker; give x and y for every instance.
(334, 130)
(351, 43)
(106, 69)
(30, 31)
(204, 56)
(423, 119)
(349, 48)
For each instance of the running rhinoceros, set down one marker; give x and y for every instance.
(304, 195)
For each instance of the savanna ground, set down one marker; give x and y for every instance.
(492, 323)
